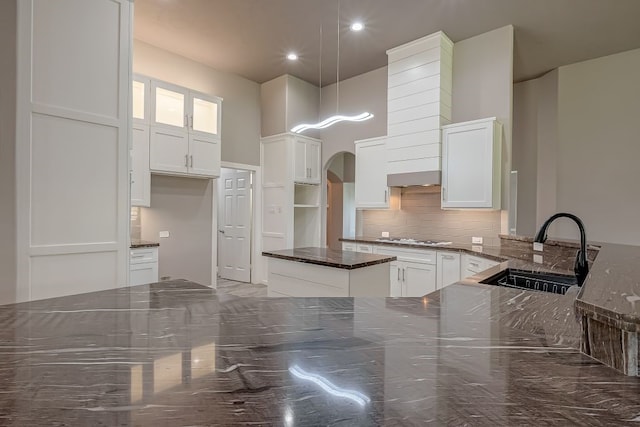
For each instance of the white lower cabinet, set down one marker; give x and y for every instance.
(143, 266)
(471, 265)
(418, 279)
(350, 247)
(448, 267)
(413, 274)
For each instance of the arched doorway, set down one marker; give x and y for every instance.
(341, 208)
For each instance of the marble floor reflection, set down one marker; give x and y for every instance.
(240, 289)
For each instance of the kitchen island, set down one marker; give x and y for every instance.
(171, 353)
(324, 272)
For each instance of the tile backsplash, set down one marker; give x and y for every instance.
(421, 217)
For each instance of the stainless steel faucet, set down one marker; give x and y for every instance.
(581, 267)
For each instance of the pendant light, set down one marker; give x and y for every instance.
(336, 118)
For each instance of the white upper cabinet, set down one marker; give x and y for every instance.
(307, 161)
(204, 156)
(205, 114)
(371, 176)
(471, 164)
(185, 131)
(169, 105)
(141, 94)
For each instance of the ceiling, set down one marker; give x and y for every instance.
(251, 37)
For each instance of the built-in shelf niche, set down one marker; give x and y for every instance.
(306, 196)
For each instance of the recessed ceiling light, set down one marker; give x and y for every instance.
(292, 56)
(357, 26)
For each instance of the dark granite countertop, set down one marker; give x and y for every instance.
(611, 292)
(138, 243)
(330, 258)
(176, 353)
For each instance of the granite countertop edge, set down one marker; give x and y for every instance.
(326, 263)
(601, 295)
(136, 243)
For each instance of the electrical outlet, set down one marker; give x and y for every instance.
(538, 247)
(477, 240)
(476, 248)
(163, 234)
(385, 234)
(537, 259)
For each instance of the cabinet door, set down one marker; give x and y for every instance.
(471, 266)
(419, 279)
(204, 156)
(140, 95)
(204, 114)
(169, 150)
(140, 175)
(371, 178)
(448, 269)
(141, 274)
(470, 166)
(169, 105)
(313, 162)
(395, 279)
(301, 173)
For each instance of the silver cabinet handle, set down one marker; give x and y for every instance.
(403, 270)
(447, 256)
(475, 264)
(221, 231)
(186, 160)
(191, 122)
(385, 196)
(444, 193)
(191, 160)
(398, 274)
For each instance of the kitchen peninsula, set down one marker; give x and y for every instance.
(323, 272)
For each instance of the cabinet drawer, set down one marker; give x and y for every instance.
(367, 249)
(351, 247)
(412, 255)
(143, 255)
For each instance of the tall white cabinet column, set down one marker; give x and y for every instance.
(73, 132)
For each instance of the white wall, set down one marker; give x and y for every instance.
(583, 128)
(181, 206)
(7, 151)
(241, 97)
(366, 92)
(273, 106)
(483, 87)
(599, 147)
(287, 101)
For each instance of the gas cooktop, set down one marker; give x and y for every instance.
(412, 241)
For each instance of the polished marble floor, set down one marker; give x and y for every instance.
(240, 289)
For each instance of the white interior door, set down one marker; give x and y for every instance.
(234, 225)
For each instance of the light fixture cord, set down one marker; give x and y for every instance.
(338, 65)
(320, 61)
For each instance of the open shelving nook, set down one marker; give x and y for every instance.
(306, 215)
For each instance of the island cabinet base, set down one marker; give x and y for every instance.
(298, 279)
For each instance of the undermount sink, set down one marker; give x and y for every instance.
(544, 282)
